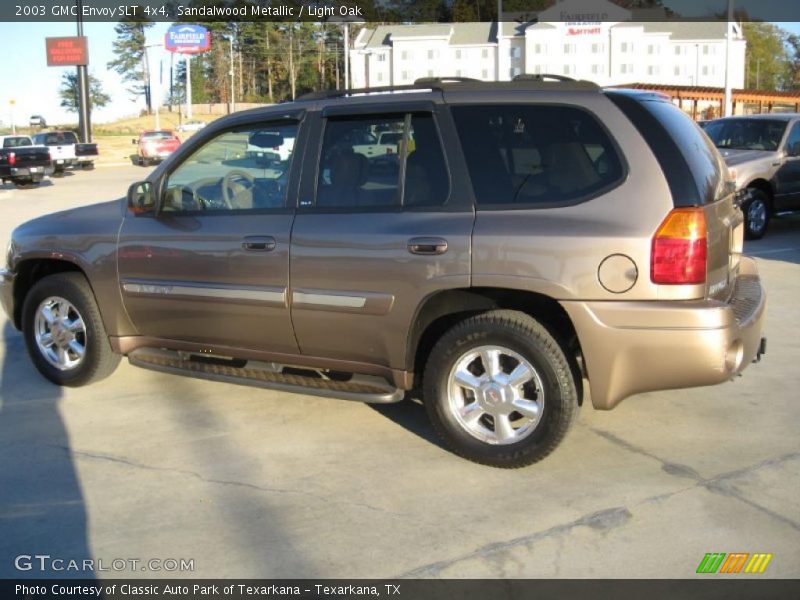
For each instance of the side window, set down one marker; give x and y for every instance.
(793, 141)
(535, 155)
(360, 163)
(244, 169)
(362, 159)
(427, 182)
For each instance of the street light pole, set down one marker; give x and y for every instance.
(230, 72)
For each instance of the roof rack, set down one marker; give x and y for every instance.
(542, 81)
(541, 77)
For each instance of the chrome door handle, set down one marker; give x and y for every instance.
(427, 245)
(259, 243)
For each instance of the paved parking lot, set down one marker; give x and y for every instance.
(254, 483)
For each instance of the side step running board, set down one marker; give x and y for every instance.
(361, 388)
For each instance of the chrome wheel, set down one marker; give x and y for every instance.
(60, 333)
(757, 215)
(495, 395)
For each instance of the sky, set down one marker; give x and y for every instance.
(34, 86)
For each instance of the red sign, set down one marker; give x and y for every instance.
(67, 51)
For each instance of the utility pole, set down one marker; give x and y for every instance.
(727, 105)
(188, 86)
(233, 93)
(84, 109)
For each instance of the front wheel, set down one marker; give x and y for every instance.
(64, 333)
(499, 390)
(756, 214)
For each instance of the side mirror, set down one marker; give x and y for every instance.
(141, 199)
(134, 141)
(793, 150)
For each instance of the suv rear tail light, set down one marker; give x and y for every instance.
(679, 249)
(12, 159)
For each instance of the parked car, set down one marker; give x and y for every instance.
(191, 126)
(545, 243)
(763, 155)
(21, 162)
(155, 145)
(66, 150)
(37, 121)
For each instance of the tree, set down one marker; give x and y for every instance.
(767, 58)
(131, 58)
(69, 92)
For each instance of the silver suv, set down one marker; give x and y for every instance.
(516, 250)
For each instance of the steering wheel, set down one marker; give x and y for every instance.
(230, 195)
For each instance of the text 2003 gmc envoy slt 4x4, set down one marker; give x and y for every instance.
(522, 246)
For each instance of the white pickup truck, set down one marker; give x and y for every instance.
(66, 150)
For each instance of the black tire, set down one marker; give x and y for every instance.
(87, 166)
(58, 172)
(99, 360)
(525, 336)
(756, 206)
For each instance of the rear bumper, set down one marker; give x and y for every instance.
(7, 292)
(30, 172)
(634, 347)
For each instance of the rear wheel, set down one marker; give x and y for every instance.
(64, 333)
(499, 390)
(756, 214)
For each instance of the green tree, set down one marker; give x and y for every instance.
(131, 58)
(69, 92)
(767, 58)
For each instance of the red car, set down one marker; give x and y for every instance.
(156, 145)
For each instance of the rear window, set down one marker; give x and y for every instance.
(16, 142)
(693, 167)
(528, 155)
(56, 139)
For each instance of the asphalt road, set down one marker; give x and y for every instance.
(254, 483)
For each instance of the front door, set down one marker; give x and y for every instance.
(375, 234)
(787, 195)
(212, 265)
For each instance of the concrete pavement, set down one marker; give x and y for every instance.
(254, 483)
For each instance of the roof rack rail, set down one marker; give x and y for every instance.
(442, 79)
(541, 77)
(542, 81)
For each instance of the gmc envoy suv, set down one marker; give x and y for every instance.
(517, 249)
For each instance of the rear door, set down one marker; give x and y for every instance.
(212, 266)
(375, 234)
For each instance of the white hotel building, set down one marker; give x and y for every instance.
(608, 53)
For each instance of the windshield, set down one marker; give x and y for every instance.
(157, 135)
(746, 134)
(55, 139)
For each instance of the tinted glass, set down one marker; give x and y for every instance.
(746, 134)
(427, 182)
(535, 155)
(55, 139)
(704, 162)
(234, 172)
(793, 141)
(16, 142)
(355, 170)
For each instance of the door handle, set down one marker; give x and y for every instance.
(427, 245)
(259, 243)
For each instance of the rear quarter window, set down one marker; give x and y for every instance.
(691, 164)
(535, 155)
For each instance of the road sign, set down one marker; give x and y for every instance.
(187, 39)
(67, 51)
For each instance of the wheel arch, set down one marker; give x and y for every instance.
(31, 270)
(440, 311)
(765, 186)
